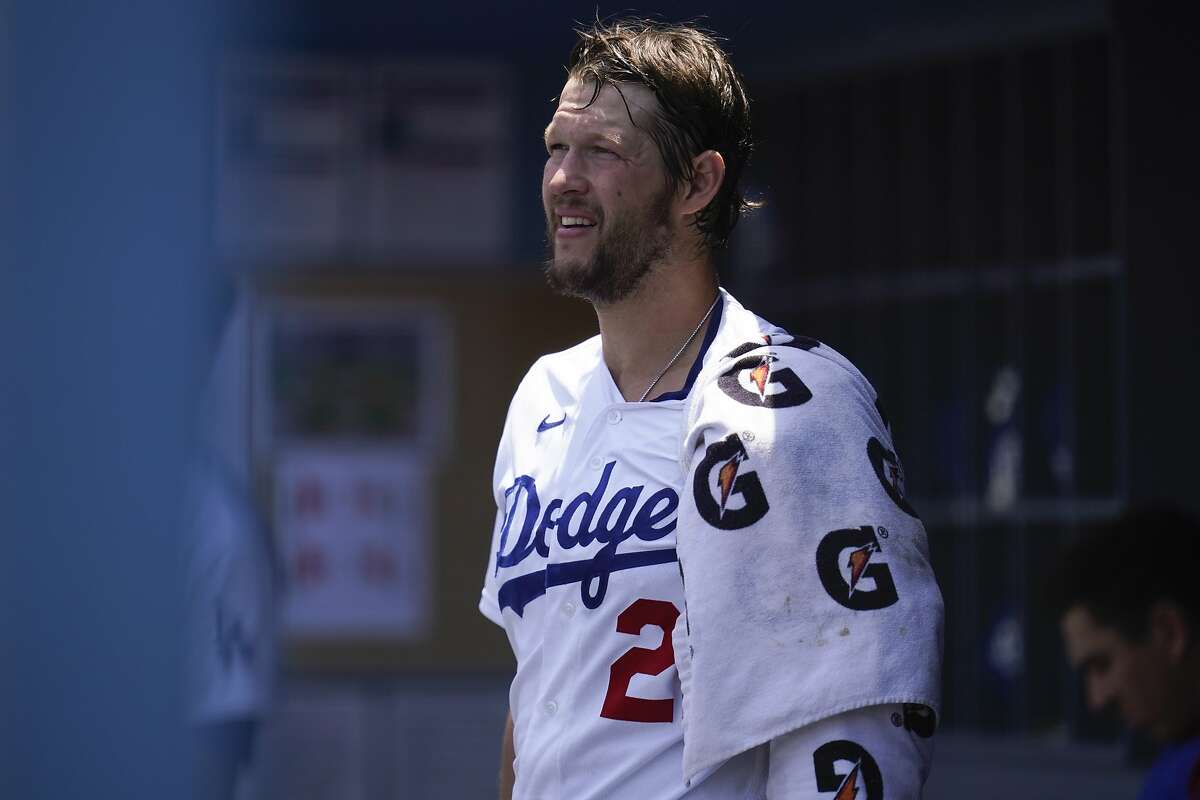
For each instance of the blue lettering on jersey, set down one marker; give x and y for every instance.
(232, 640)
(580, 523)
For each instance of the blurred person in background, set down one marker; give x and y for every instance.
(1128, 602)
(703, 558)
(231, 581)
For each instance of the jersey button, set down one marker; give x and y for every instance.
(568, 609)
(551, 707)
(614, 417)
(596, 463)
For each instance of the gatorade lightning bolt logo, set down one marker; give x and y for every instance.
(755, 381)
(846, 588)
(858, 562)
(863, 774)
(739, 500)
(726, 477)
(849, 788)
(760, 374)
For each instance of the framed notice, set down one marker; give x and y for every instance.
(351, 416)
(353, 374)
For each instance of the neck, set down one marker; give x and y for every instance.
(641, 333)
(1188, 695)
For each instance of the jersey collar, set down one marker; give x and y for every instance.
(709, 335)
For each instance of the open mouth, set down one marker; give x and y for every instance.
(572, 222)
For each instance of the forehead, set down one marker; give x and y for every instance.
(609, 115)
(1085, 637)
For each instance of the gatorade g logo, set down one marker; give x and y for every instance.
(920, 720)
(844, 563)
(755, 381)
(890, 473)
(859, 771)
(774, 340)
(728, 494)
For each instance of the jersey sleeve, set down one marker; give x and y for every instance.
(807, 584)
(489, 603)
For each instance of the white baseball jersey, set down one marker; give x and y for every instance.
(231, 603)
(231, 583)
(585, 578)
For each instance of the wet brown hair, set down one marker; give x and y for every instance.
(1121, 567)
(702, 103)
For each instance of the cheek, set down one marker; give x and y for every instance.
(1146, 689)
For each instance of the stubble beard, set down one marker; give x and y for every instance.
(620, 260)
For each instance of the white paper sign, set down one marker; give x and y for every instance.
(354, 528)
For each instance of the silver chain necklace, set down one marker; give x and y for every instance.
(683, 347)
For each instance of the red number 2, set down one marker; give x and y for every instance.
(641, 661)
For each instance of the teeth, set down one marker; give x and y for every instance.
(569, 222)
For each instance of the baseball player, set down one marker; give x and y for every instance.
(1131, 628)
(703, 557)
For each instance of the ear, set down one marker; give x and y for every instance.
(1170, 630)
(708, 173)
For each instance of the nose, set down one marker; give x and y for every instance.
(1099, 693)
(565, 175)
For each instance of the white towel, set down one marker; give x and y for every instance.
(806, 573)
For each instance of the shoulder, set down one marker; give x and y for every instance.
(566, 369)
(779, 370)
(797, 396)
(552, 386)
(749, 343)
(1171, 772)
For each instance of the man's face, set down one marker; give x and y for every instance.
(1134, 677)
(605, 193)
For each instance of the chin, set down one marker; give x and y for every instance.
(564, 269)
(570, 278)
(1157, 734)
(1166, 733)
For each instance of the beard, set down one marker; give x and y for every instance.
(635, 242)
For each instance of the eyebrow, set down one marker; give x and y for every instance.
(610, 137)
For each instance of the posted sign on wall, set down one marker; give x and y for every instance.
(355, 533)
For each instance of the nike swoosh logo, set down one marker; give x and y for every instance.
(546, 425)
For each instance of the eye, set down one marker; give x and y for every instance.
(603, 151)
(556, 147)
